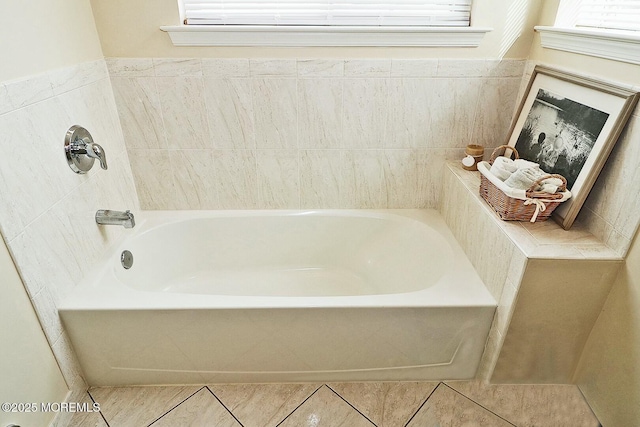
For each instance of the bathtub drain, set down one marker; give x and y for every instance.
(126, 258)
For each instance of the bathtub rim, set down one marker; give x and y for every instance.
(459, 287)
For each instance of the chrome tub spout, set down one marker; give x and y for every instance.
(107, 217)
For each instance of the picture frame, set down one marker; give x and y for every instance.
(569, 124)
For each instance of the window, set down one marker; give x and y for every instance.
(605, 14)
(326, 23)
(329, 12)
(603, 28)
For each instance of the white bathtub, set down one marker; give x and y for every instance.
(281, 296)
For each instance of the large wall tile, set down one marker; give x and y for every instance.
(496, 108)
(364, 179)
(220, 68)
(230, 112)
(411, 106)
(195, 179)
(365, 112)
(320, 113)
(236, 178)
(320, 68)
(171, 67)
(140, 112)
(275, 112)
(321, 183)
(278, 183)
(154, 178)
(184, 112)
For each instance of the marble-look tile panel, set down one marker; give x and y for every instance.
(221, 68)
(506, 67)
(400, 178)
(172, 67)
(41, 128)
(320, 68)
(611, 197)
(462, 68)
(447, 407)
(230, 113)
(495, 110)
(321, 182)
(409, 117)
(68, 362)
(275, 109)
(320, 113)
(387, 404)
(201, 409)
(278, 179)
(5, 102)
(324, 407)
(490, 356)
(130, 67)
(275, 401)
(414, 67)
(29, 90)
(365, 112)
(69, 78)
(531, 405)
(236, 178)
(452, 111)
(194, 174)
(273, 67)
(45, 306)
(184, 112)
(140, 112)
(367, 68)
(137, 406)
(153, 178)
(364, 175)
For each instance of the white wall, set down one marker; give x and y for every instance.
(41, 35)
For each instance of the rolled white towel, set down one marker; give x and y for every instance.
(550, 185)
(503, 167)
(523, 179)
(525, 164)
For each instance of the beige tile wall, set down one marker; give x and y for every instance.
(47, 213)
(286, 133)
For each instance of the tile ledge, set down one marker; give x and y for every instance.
(577, 243)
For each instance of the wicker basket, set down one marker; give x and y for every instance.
(511, 209)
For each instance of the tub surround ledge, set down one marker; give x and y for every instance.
(550, 284)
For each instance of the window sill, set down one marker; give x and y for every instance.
(615, 45)
(297, 36)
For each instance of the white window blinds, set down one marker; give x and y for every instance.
(329, 12)
(610, 14)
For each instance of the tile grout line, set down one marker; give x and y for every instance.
(99, 412)
(423, 403)
(347, 402)
(224, 406)
(482, 406)
(302, 403)
(175, 406)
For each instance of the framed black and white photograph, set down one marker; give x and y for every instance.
(569, 124)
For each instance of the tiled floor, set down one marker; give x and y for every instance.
(410, 404)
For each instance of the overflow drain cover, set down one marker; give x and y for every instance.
(126, 258)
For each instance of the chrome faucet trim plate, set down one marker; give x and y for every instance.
(81, 151)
